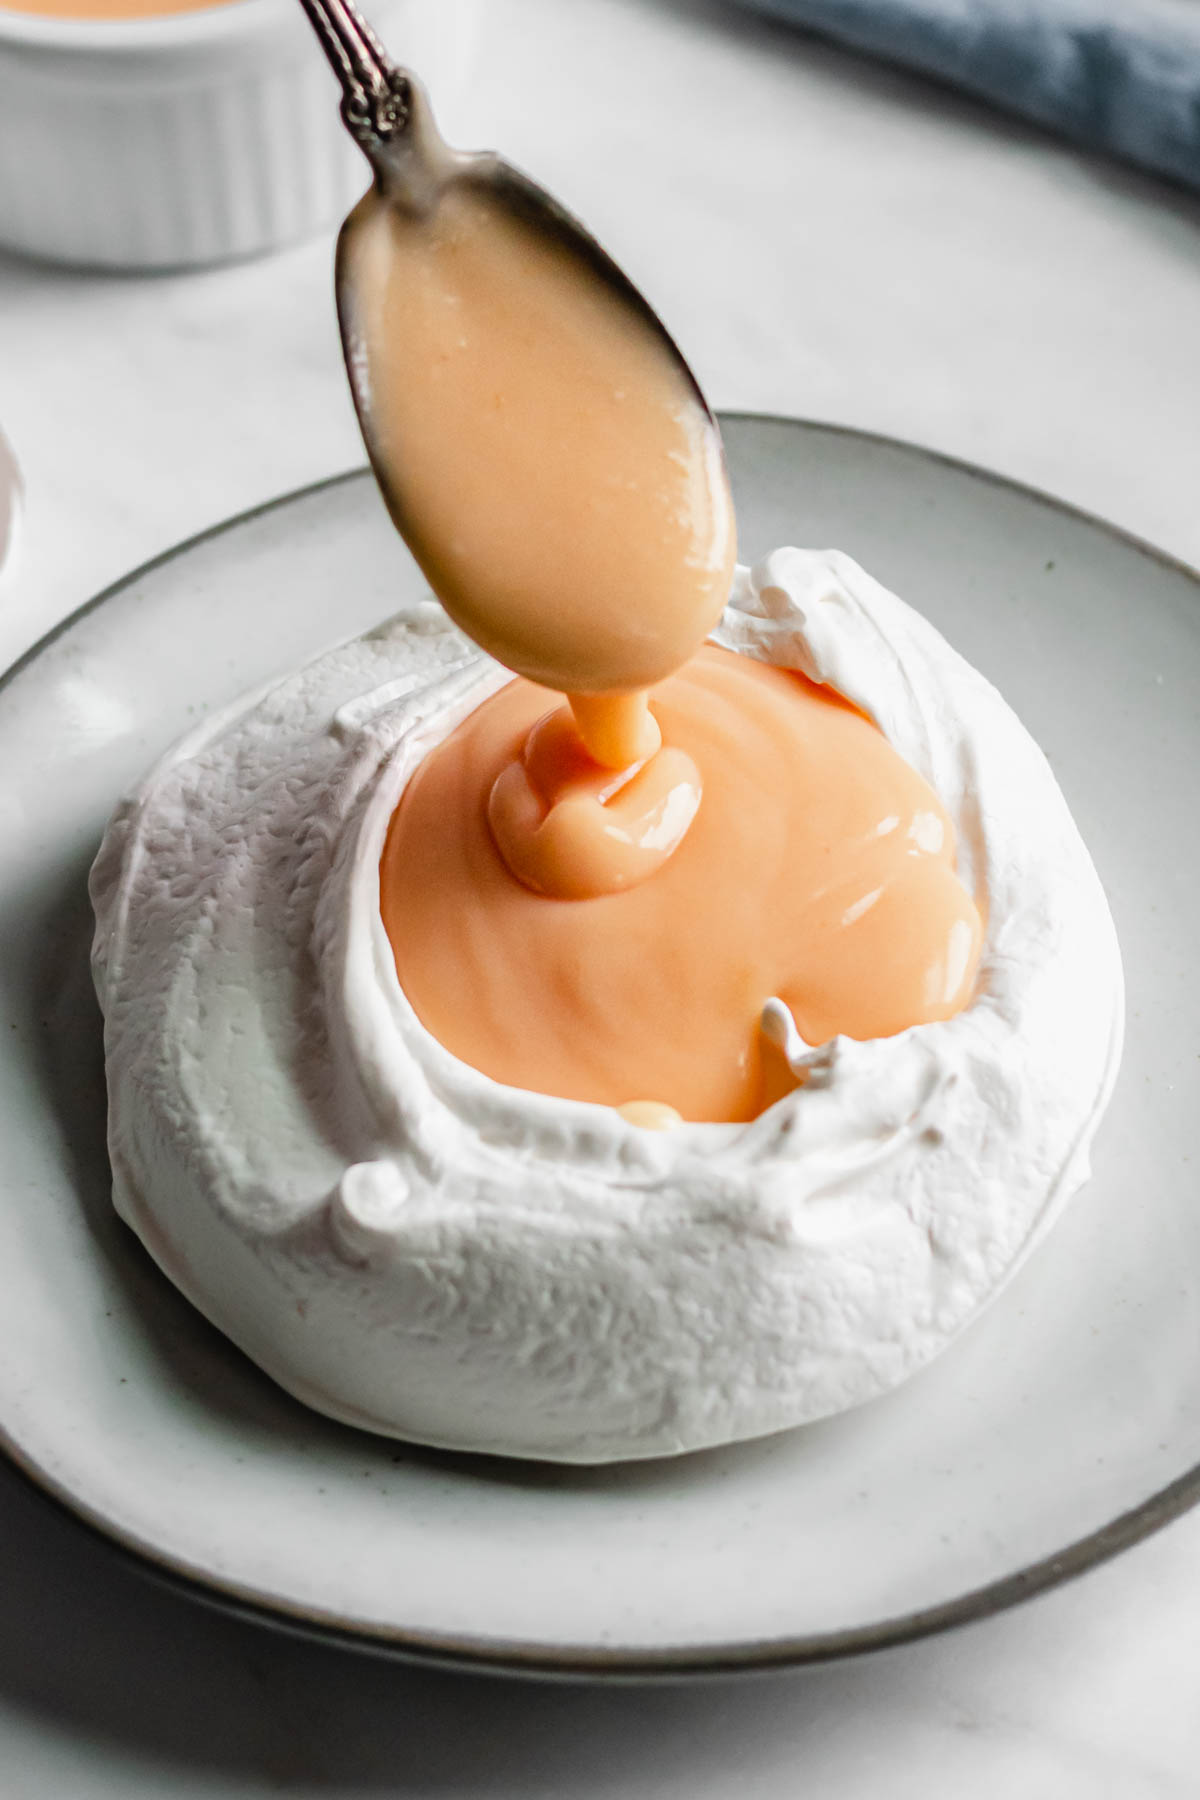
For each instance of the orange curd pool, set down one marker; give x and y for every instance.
(819, 867)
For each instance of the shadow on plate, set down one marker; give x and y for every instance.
(103, 1671)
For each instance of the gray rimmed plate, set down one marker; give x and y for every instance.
(1064, 1424)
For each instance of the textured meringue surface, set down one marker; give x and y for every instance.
(413, 1248)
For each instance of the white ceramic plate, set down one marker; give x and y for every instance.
(1061, 1427)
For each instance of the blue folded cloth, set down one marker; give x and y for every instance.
(1116, 75)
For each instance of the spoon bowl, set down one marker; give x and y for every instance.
(538, 438)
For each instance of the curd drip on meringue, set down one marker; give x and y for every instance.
(819, 869)
(573, 828)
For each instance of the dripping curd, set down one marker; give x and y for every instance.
(524, 422)
(557, 881)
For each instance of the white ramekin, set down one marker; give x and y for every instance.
(188, 138)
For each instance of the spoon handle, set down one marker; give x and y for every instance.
(376, 94)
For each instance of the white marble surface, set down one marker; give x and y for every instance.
(826, 239)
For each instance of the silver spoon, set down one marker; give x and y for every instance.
(387, 113)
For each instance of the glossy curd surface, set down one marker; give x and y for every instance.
(819, 868)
